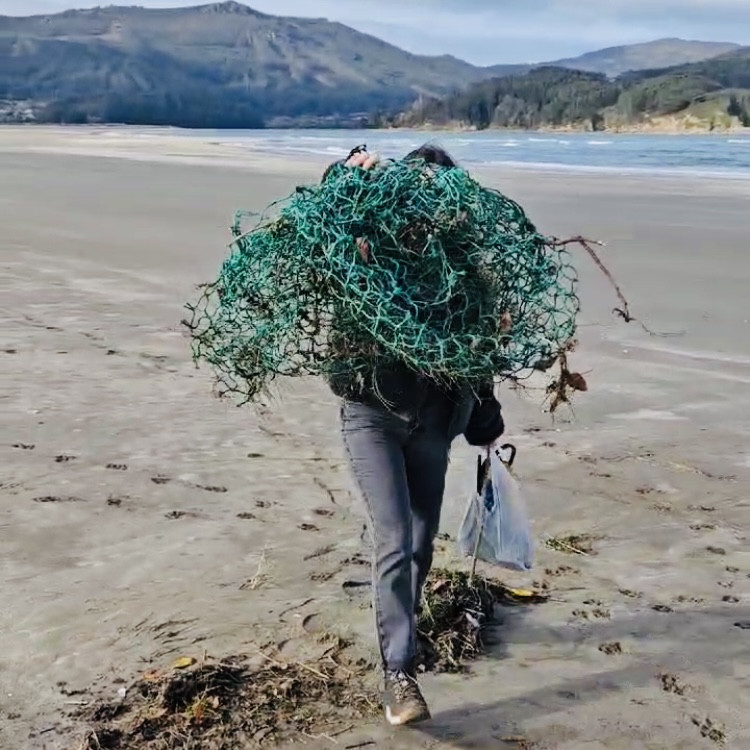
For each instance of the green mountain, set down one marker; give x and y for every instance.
(222, 64)
(708, 95)
(227, 65)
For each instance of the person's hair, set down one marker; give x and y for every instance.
(432, 155)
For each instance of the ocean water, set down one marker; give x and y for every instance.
(718, 155)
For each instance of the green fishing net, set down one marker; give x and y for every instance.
(405, 265)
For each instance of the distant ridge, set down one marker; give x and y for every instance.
(228, 65)
(661, 53)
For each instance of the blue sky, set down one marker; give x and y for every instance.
(495, 31)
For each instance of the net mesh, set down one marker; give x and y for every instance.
(408, 265)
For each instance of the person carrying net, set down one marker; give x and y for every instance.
(412, 289)
(397, 427)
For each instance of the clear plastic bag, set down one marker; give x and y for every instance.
(495, 527)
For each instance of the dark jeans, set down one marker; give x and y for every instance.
(399, 462)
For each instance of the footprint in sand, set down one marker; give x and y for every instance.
(561, 570)
(630, 593)
(350, 587)
(711, 731)
(645, 491)
(599, 613)
(177, 514)
(211, 488)
(321, 576)
(671, 684)
(320, 552)
(716, 550)
(313, 624)
(57, 499)
(117, 467)
(357, 560)
(703, 526)
(63, 459)
(24, 446)
(160, 479)
(611, 649)
(683, 599)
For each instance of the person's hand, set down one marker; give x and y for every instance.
(362, 159)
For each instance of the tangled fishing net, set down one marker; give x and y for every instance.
(405, 265)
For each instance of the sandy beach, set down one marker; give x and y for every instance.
(141, 519)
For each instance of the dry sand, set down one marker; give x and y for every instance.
(144, 557)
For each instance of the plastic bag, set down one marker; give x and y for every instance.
(495, 527)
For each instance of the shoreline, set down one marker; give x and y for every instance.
(646, 130)
(192, 147)
(572, 130)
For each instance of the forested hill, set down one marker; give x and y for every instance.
(708, 95)
(218, 65)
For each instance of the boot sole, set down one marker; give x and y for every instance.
(408, 718)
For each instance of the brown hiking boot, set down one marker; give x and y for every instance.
(403, 700)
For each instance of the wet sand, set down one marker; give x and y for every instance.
(135, 507)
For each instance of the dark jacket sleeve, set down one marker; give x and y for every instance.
(486, 421)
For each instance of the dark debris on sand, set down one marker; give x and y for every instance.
(457, 609)
(238, 702)
(230, 704)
